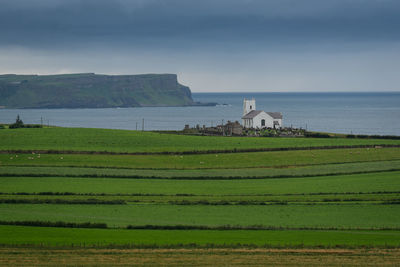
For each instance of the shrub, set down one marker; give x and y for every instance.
(17, 124)
(89, 201)
(317, 135)
(55, 224)
(33, 126)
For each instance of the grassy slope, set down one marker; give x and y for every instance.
(80, 139)
(372, 182)
(61, 237)
(339, 216)
(316, 199)
(292, 171)
(352, 215)
(227, 160)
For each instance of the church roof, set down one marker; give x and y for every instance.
(254, 113)
(275, 115)
(251, 114)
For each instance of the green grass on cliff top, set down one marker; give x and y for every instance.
(84, 139)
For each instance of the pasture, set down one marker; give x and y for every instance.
(323, 216)
(227, 173)
(82, 139)
(333, 195)
(356, 183)
(207, 161)
(65, 237)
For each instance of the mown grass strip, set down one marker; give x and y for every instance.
(198, 177)
(360, 183)
(35, 194)
(61, 224)
(120, 238)
(281, 159)
(187, 199)
(302, 171)
(348, 216)
(194, 152)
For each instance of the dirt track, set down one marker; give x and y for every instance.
(199, 257)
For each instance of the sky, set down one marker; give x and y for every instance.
(213, 45)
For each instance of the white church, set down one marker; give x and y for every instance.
(253, 118)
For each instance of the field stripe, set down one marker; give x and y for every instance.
(353, 216)
(203, 178)
(48, 236)
(195, 152)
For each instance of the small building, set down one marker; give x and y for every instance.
(233, 128)
(253, 118)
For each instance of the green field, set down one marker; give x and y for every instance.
(228, 173)
(292, 216)
(14, 235)
(219, 161)
(371, 182)
(349, 194)
(80, 139)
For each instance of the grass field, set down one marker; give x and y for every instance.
(228, 173)
(185, 199)
(81, 139)
(293, 216)
(22, 235)
(371, 182)
(321, 198)
(221, 160)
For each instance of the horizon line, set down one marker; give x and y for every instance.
(258, 92)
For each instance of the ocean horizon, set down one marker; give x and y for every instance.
(337, 112)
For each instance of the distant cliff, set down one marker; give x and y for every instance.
(89, 90)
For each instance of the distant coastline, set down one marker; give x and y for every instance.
(89, 90)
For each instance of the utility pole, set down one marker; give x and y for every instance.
(223, 128)
(41, 121)
(142, 125)
(136, 126)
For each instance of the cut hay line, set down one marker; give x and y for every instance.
(194, 152)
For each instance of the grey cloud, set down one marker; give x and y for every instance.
(225, 45)
(197, 22)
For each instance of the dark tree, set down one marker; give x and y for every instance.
(18, 123)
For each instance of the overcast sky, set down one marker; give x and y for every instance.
(213, 45)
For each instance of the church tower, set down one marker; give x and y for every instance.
(248, 105)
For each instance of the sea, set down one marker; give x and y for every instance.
(349, 113)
